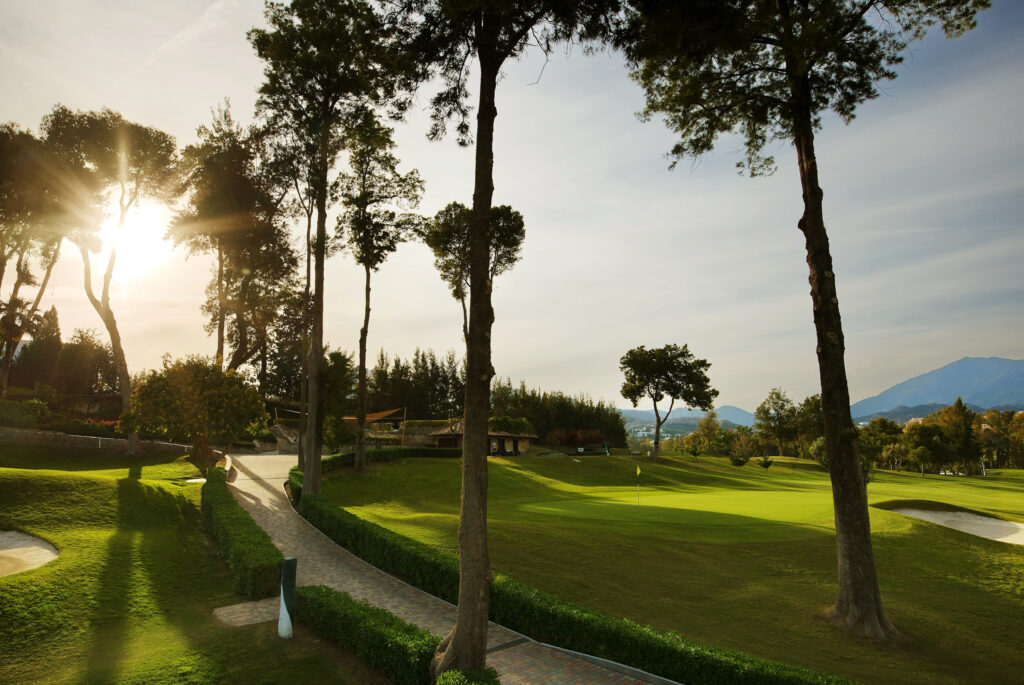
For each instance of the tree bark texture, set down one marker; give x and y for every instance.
(859, 602)
(220, 302)
(304, 382)
(314, 405)
(360, 459)
(465, 647)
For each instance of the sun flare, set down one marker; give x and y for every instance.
(141, 247)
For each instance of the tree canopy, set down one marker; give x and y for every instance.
(669, 371)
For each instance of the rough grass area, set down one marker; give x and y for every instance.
(130, 598)
(735, 557)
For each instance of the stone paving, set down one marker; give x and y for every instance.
(259, 488)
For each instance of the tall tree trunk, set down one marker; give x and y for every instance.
(304, 346)
(102, 307)
(657, 433)
(859, 602)
(220, 302)
(360, 460)
(465, 647)
(314, 406)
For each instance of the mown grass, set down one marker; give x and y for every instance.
(740, 558)
(130, 598)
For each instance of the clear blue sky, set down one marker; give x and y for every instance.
(924, 200)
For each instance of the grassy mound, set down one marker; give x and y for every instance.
(736, 557)
(130, 598)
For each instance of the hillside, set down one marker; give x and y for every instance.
(982, 382)
(728, 413)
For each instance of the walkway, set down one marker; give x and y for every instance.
(518, 660)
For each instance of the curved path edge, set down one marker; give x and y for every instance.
(518, 659)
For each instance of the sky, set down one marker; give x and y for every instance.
(923, 198)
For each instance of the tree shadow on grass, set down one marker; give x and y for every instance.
(128, 581)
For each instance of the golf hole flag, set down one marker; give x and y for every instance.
(638, 483)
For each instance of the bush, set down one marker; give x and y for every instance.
(397, 649)
(254, 561)
(485, 676)
(23, 414)
(739, 459)
(544, 617)
(417, 564)
(765, 462)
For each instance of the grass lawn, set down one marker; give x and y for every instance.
(130, 598)
(742, 558)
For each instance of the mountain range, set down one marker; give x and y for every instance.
(726, 413)
(983, 382)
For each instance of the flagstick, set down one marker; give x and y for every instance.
(638, 488)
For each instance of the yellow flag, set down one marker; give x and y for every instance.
(638, 469)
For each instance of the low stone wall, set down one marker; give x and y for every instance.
(38, 437)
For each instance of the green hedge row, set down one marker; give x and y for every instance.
(334, 462)
(546, 618)
(485, 676)
(254, 561)
(347, 459)
(399, 650)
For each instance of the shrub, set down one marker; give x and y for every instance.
(417, 564)
(545, 617)
(399, 650)
(254, 561)
(765, 462)
(485, 676)
(23, 414)
(739, 459)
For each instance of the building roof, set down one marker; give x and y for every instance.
(373, 417)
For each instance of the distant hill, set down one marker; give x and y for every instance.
(983, 382)
(901, 414)
(733, 415)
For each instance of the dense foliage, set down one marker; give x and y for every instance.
(193, 399)
(555, 415)
(254, 560)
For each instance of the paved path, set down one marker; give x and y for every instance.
(518, 660)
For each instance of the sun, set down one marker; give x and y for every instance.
(141, 247)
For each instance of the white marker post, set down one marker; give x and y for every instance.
(285, 620)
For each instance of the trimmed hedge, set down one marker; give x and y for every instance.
(254, 561)
(399, 650)
(421, 566)
(546, 618)
(485, 676)
(335, 462)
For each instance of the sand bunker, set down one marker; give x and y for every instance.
(975, 524)
(20, 552)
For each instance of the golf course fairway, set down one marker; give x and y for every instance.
(735, 557)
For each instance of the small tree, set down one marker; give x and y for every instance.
(448, 237)
(776, 417)
(193, 399)
(742, 445)
(670, 371)
(375, 221)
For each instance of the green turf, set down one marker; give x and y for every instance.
(130, 598)
(735, 557)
